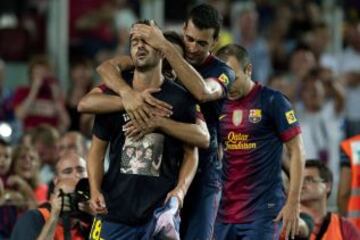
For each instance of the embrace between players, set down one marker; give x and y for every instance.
(185, 126)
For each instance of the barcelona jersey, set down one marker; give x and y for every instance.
(253, 130)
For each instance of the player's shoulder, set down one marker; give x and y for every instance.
(176, 90)
(271, 94)
(219, 65)
(174, 87)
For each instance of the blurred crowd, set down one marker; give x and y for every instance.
(290, 47)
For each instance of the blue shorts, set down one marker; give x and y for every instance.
(262, 229)
(164, 224)
(103, 230)
(201, 206)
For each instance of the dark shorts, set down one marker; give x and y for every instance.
(263, 229)
(201, 206)
(107, 230)
(164, 224)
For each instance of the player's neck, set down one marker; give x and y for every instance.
(148, 79)
(248, 86)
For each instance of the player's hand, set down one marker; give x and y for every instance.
(150, 34)
(85, 207)
(178, 193)
(142, 105)
(135, 132)
(289, 215)
(97, 203)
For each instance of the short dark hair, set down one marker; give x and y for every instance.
(177, 39)
(324, 172)
(235, 50)
(204, 16)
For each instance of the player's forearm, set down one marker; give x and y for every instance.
(100, 103)
(188, 169)
(95, 167)
(48, 231)
(194, 134)
(111, 74)
(297, 163)
(191, 79)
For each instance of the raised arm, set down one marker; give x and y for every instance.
(110, 72)
(23, 109)
(202, 89)
(48, 230)
(187, 172)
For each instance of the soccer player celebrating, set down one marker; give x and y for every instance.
(126, 196)
(207, 78)
(256, 121)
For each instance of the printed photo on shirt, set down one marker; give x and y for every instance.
(143, 157)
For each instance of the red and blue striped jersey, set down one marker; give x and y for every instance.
(253, 130)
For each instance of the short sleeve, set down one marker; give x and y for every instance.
(225, 76)
(102, 127)
(28, 226)
(283, 115)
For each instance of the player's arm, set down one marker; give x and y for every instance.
(202, 89)
(196, 134)
(136, 104)
(110, 72)
(186, 174)
(290, 211)
(97, 102)
(295, 148)
(96, 173)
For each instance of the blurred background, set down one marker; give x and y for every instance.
(307, 49)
